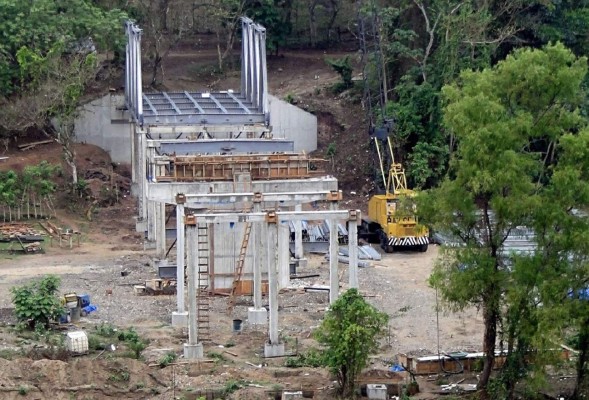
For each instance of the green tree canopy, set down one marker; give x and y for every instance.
(40, 24)
(521, 160)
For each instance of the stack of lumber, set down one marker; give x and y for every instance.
(13, 230)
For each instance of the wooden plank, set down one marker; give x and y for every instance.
(28, 146)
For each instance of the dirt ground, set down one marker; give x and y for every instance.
(396, 285)
(109, 246)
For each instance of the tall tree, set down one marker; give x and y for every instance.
(513, 123)
(47, 60)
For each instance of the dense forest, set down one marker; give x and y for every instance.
(486, 101)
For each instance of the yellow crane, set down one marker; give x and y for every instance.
(391, 216)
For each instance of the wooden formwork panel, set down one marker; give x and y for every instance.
(224, 168)
(246, 288)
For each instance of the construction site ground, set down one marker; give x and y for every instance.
(110, 245)
(396, 284)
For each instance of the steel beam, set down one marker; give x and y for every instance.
(217, 119)
(172, 103)
(244, 108)
(217, 146)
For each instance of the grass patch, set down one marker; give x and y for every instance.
(119, 375)
(218, 357)
(311, 358)
(10, 354)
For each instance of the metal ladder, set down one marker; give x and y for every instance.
(202, 296)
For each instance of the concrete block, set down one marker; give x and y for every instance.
(141, 226)
(274, 350)
(292, 395)
(301, 262)
(376, 391)
(257, 316)
(149, 245)
(193, 351)
(180, 319)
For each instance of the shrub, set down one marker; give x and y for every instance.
(37, 303)
(167, 359)
(350, 333)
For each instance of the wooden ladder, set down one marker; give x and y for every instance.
(242, 182)
(202, 296)
(239, 267)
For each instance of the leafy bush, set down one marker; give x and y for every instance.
(311, 358)
(344, 68)
(120, 375)
(106, 330)
(37, 303)
(129, 335)
(233, 386)
(167, 359)
(134, 342)
(350, 334)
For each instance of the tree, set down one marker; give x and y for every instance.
(350, 334)
(520, 144)
(47, 60)
(37, 303)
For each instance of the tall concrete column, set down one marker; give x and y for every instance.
(180, 317)
(257, 314)
(298, 244)
(274, 347)
(160, 230)
(333, 257)
(151, 222)
(133, 153)
(283, 255)
(192, 349)
(353, 249)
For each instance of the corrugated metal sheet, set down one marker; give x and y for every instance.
(318, 232)
(365, 252)
(520, 240)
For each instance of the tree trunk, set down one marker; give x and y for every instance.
(490, 318)
(582, 360)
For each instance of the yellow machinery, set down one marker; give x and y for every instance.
(391, 217)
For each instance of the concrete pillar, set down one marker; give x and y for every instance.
(353, 250)
(333, 257)
(298, 244)
(133, 142)
(274, 347)
(192, 349)
(151, 221)
(258, 315)
(180, 317)
(160, 230)
(283, 255)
